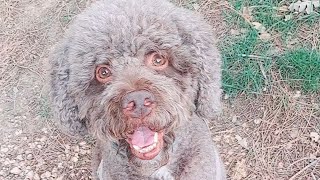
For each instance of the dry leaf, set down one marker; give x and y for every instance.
(235, 32)
(314, 136)
(306, 6)
(283, 8)
(247, 13)
(258, 26)
(265, 36)
(240, 170)
(242, 141)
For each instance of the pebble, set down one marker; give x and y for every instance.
(29, 156)
(20, 158)
(36, 176)
(74, 159)
(47, 174)
(30, 175)
(4, 150)
(15, 170)
(82, 143)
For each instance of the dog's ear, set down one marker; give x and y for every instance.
(208, 98)
(199, 42)
(65, 109)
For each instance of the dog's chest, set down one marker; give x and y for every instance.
(116, 165)
(163, 174)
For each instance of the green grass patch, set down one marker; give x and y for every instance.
(245, 56)
(241, 72)
(301, 69)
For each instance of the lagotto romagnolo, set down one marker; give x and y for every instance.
(142, 77)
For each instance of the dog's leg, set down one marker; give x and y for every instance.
(96, 161)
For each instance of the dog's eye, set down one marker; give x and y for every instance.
(103, 73)
(156, 61)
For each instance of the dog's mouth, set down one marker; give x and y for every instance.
(144, 143)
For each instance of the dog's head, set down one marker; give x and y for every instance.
(135, 73)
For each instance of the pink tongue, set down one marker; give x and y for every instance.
(142, 137)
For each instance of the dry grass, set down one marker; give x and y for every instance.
(276, 124)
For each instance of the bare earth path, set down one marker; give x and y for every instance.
(267, 137)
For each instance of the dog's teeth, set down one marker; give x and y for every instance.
(148, 149)
(136, 147)
(155, 138)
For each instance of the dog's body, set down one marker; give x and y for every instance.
(142, 76)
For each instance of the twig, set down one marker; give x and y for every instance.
(263, 71)
(254, 56)
(31, 70)
(305, 168)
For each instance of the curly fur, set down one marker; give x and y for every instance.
(120, 33)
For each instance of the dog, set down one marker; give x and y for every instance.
(143, 77)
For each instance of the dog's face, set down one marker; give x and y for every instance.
(135, 74)
(142, 101)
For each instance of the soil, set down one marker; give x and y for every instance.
(267, 136)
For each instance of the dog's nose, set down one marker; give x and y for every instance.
(138, 104)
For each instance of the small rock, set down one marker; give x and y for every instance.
(226, 96)
(315, 136)
(4, 150)
(234, 119)
(82, 152)
(74, 159)
(45, 130)
(20, 158)
(60, 165)
(60, 177)
(15, 170)
(47, 174)
(82, 143)
(29, 156)
(297, 94)
(257, 121)
(7, 162)
(217, 138)
(234, 32)
(30, 175)
(18, 132)
(39, 146)
(242, 141)
(36, 176)
(43, 139)
(76, 148)
(54, 170)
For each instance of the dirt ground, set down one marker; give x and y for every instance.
(265, 136)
